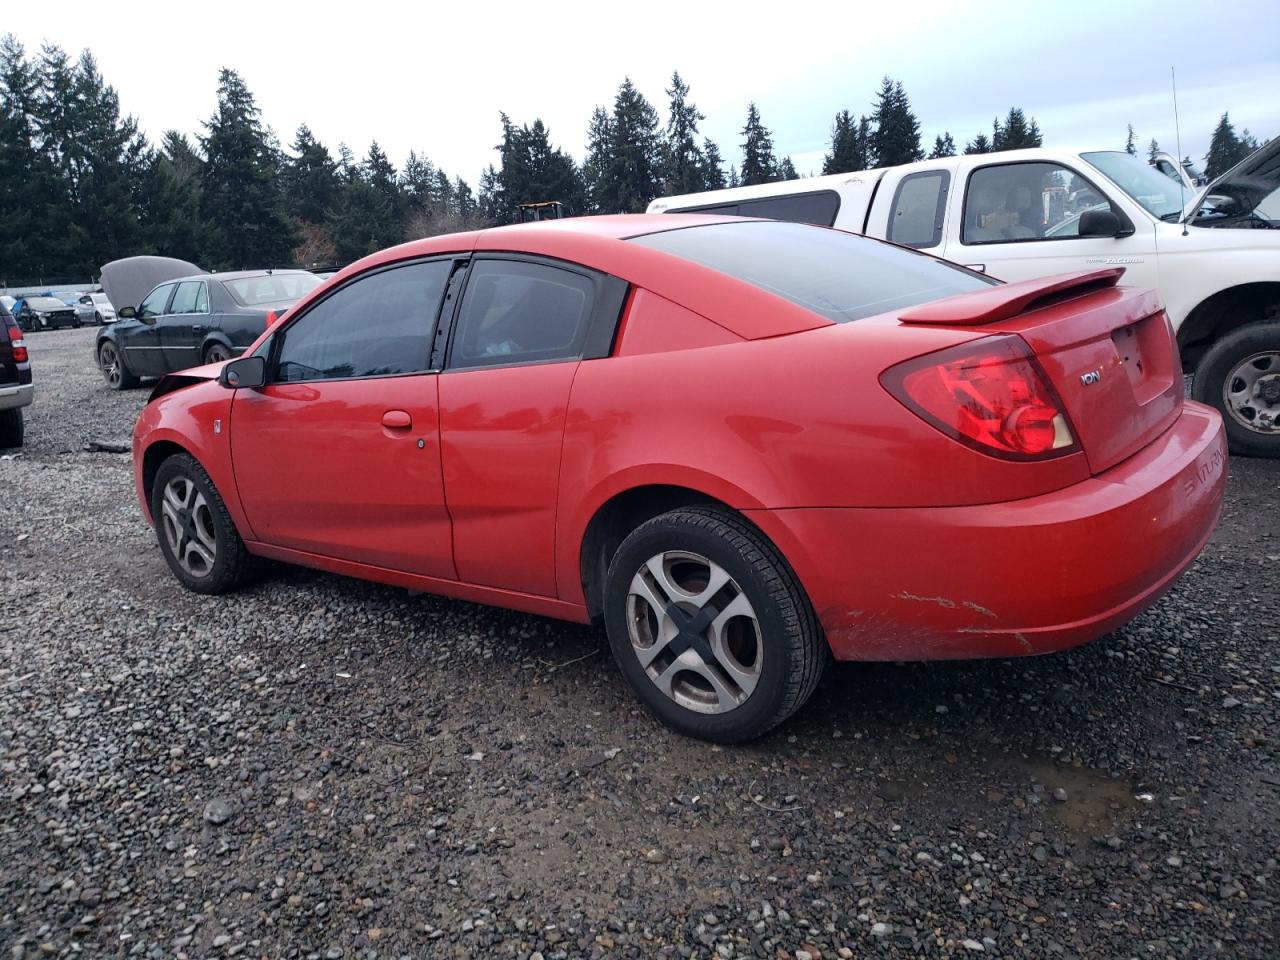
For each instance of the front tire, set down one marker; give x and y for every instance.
(113, 368)
(11, 428)
(710, 626)
(197, 536)
(1240, 377)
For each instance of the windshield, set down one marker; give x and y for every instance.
(272, 288)
(46, 303)
(835, 274)
(1159, 195)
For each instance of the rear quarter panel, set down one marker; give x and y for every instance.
(790, 422)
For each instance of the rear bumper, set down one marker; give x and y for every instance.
(1024, 577)
(16, 395)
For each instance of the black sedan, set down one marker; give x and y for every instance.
(191, 320)
(44, 313)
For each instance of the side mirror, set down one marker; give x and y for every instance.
(127, 313)
(1101, 223)
(244, 372)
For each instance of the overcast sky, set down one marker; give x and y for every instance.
(434, 77)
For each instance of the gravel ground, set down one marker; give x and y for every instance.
(326, 768)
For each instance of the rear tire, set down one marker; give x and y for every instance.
(703, 670)
(1240, 377)
(197, 536)
(216, 353)
(11, 428)
(113, 368)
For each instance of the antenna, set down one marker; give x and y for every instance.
(1177, 139)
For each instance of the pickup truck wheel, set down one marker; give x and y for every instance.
(710, 627)
(113, 369)
(1240, 376)
(10, 428)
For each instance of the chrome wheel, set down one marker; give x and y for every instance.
(187, 521)
(216, 354)
(694, 632)
(109, 361)
(1251, 393)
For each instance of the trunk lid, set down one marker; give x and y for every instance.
(1109, 353)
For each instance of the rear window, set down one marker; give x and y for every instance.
(272, 288)
(837, 275)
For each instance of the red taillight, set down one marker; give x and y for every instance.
(272, 317)
(19, 348)
(990, 395)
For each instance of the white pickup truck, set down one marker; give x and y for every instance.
(1214, 255)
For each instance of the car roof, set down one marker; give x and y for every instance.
(232, 275)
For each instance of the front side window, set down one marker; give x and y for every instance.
(156, 301)
(918, 207)
(514, 311)
(188, 298)
(837, 275)
(379, 325)
(1019, 202)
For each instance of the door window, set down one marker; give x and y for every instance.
(918, 206)
(188, 298)
(156, 301)
(1020, 202)
(514, 311)
(379, 325)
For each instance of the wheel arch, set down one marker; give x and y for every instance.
(155, 454)
(219, 338)
(627, 509)
(1224, 311)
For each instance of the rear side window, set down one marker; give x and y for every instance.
(919, 204)
(189, 298)
(837, 275)
(379, 325)
(519, 312)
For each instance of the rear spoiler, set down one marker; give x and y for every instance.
(1010, 299)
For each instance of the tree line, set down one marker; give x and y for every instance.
(80, 185)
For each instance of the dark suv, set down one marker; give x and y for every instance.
(15, 380)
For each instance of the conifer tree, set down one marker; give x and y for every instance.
(943, 146)
(682, 163)
(712, 166)
(758, 163)
(896, 135)
(241, 197)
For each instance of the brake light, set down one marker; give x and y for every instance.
(272, 317)
(990, 395)
(19, 348)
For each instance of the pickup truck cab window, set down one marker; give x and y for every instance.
(1024, 202)
(919, 206)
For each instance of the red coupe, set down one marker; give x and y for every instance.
(746, 445)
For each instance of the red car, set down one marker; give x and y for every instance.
(747, 446)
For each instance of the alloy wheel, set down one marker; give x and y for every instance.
(109, 361)
(1251, 393)
(216, 354)
(187, 521)
(694, 632)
